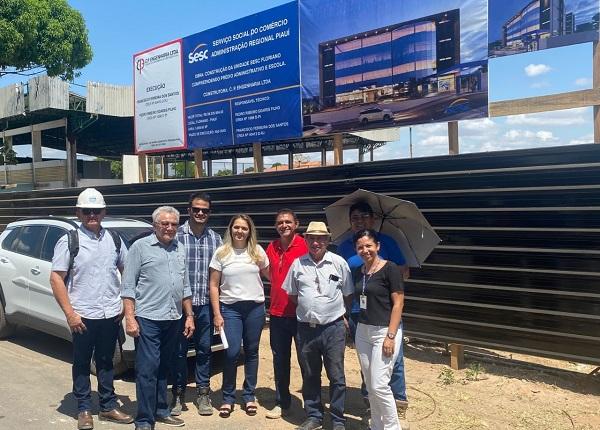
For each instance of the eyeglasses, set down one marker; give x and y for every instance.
(167, 224)
(89, 211)
(203, 211)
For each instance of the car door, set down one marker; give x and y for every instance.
(13, 276)
(44, 311)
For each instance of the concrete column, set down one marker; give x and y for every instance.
(36, 146)
(453, 138)
(290, 159)
(197, 163)
(258, 158)
(234, 164)
(323, 156)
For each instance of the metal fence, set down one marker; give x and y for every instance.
(519, 265)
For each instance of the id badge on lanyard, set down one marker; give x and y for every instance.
(363, 302)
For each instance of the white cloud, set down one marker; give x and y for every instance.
(583, 82)
(588, 138)
(435, 141)
(537, 69)
(556, 118)
(512, 134)
(545, 136)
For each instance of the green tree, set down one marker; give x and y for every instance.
(249, 169)
(7, 154)
(42, 35)
(224, 172)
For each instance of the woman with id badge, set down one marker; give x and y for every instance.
(379, 286)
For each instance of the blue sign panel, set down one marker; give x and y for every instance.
(246, 67)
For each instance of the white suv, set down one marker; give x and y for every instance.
(26, 249)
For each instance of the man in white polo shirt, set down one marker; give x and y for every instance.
(321, 284)
(90, 297)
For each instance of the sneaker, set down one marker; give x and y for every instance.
(203, 402)
(401, 407)
(277, 412)
(310, 424)
(177, 402)
(339, 426)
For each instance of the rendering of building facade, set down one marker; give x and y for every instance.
(539, 19)
(401, 60)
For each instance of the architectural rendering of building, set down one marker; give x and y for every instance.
(407, 59)
(539, 19)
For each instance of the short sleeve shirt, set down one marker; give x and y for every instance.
(378, 288)
(240, 276)
(320, 287)
(93, 284)
(280, 261)
(156, 277)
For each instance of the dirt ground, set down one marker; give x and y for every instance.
(496, 390)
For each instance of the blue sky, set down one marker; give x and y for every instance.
(118, 29)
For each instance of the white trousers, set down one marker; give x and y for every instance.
(377, 370)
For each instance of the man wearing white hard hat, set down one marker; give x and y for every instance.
(87, 288)
(320, 283)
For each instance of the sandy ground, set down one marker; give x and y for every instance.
(496, 390)
(515, 392)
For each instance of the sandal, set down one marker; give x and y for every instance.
(251, 408)
(225, 410)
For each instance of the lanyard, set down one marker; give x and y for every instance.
(366, 280)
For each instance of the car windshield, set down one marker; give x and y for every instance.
(131, 234)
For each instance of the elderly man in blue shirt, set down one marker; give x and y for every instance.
(155, 291)
(87, 289)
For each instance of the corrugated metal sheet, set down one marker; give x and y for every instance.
(12, 101)
(518, 268)
(45, 92)
(109, 99)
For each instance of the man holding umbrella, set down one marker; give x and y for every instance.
(406, 238)
(362, 217)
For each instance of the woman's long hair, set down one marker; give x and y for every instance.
(227, 248)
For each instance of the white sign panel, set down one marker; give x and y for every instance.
(159, 116)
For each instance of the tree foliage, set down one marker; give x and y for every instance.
(7, 154)
(38, 35)
(224, 172)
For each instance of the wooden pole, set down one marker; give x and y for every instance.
(197, 163)
(338, 149)
(453, 138)
(457, 356)
(595, 85)
(258, 158)
(142, 168)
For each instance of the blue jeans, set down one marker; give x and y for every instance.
(201, 339)
(282, 330)
(154, 349)
(398, 381)
(244, 321)
(323, 344)
(99, 339)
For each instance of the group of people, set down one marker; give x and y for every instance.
(183, 283)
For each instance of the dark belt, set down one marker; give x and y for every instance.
(314, 325)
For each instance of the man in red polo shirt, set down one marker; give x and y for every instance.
(283, 325)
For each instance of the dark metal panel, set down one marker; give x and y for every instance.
(518, 268)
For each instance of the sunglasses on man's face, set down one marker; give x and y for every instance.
(89, 211)
(204, 211)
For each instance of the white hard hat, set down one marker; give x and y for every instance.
(90, 198)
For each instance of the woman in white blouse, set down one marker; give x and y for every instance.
(237, 298)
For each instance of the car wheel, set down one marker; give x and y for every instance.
(386, 117)
(6, 328)
(365, 120)
(119, 364)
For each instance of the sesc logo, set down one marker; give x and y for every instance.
(198, 54)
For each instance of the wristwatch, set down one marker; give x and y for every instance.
(391, 335)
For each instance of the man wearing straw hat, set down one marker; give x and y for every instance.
(321, 284)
